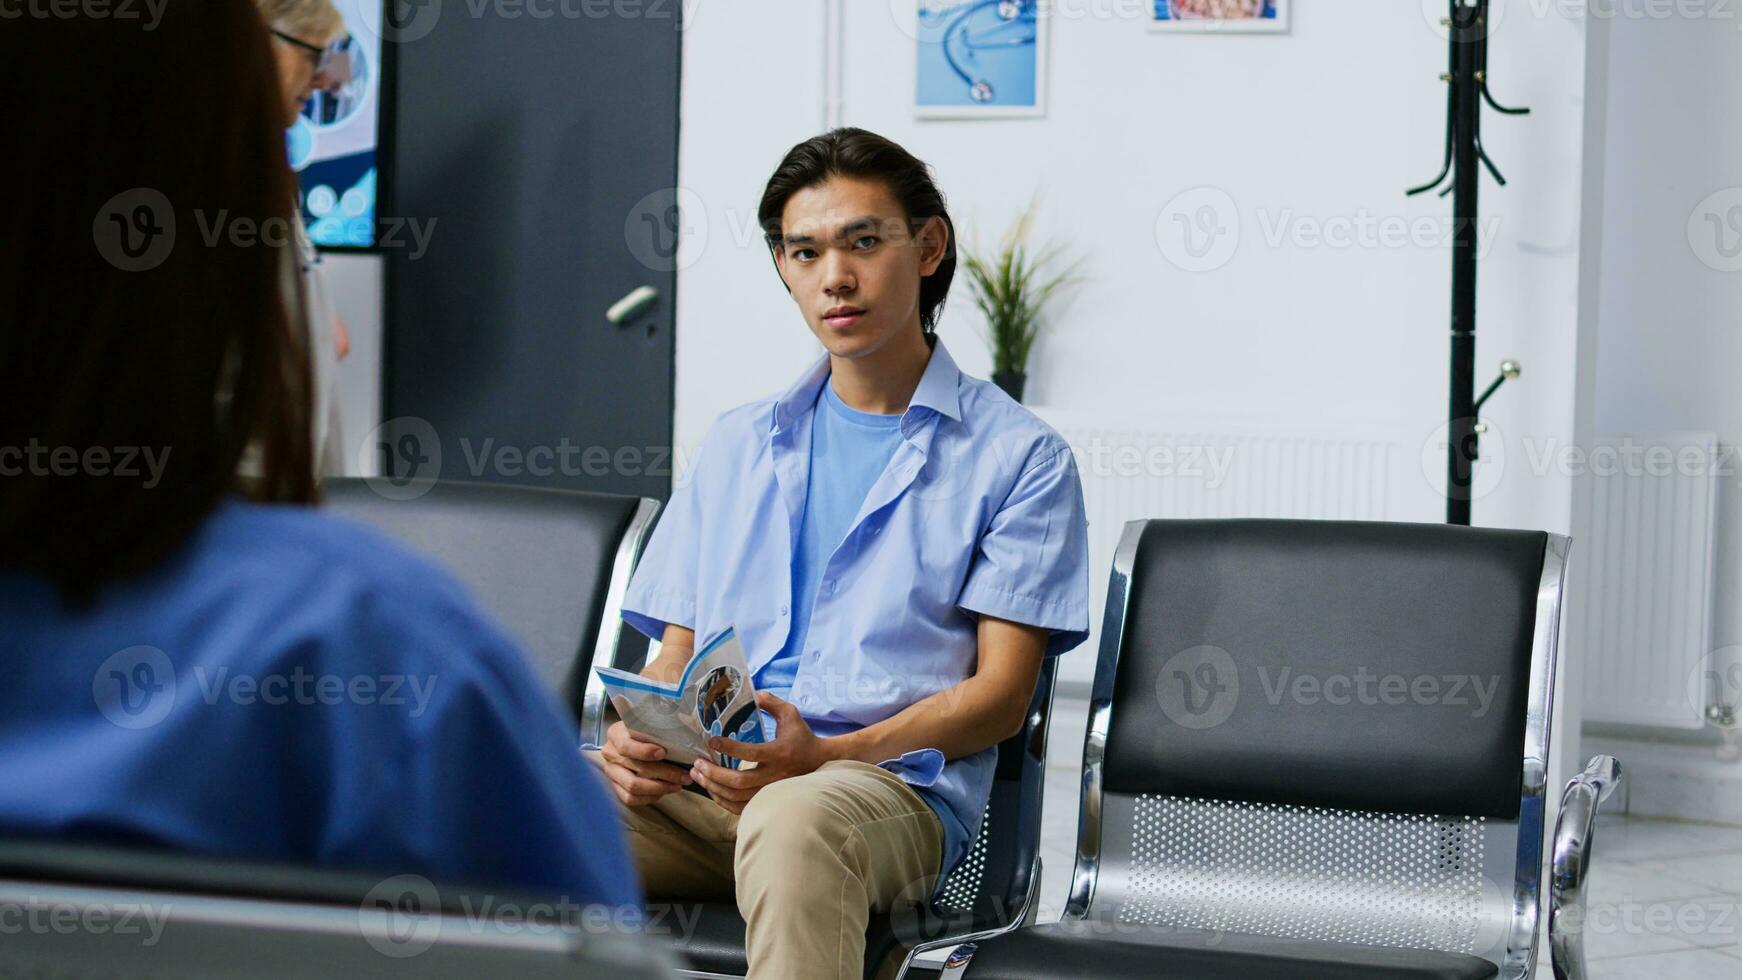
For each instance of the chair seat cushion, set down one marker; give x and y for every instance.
(1103, 950)
(715, 941)
(715, 944)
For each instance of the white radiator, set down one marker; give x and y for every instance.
(1648, 555)
(1136, 468)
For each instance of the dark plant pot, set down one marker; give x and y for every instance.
(1011, 382)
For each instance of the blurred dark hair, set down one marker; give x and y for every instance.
(133, 320)
(852, 152)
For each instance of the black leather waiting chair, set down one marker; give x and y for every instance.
(103, 912)
(1318, 751)
(551, 566)
(994, 888)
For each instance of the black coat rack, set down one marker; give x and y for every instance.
(1466, 90)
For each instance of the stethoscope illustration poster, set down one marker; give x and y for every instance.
(980, 58)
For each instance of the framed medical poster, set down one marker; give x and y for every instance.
(980, 58)
(1220, 16)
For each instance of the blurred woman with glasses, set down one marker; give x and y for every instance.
(304, 36)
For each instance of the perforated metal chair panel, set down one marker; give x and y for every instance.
(1381, 879)
(962, 890)
(1095, 949)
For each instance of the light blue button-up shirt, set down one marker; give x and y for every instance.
(978, 512)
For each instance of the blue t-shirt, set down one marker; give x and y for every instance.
(849, 451)
(290, 686)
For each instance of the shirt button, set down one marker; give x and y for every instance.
(783, 610)
(831, 584)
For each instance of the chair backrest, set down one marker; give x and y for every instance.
(87, 911)
(551, 566)
(1323, 730)
(998, 880)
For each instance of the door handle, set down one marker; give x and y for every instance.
(625, 309)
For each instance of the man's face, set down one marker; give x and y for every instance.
(854, 261)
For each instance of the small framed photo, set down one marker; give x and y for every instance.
(1220, 16)
(980, 59)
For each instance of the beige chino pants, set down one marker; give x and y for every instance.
(808, 862)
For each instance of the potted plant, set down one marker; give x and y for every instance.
(1012, 289)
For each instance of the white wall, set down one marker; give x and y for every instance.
(1669, 351)
(1670, 354)
(354, 283)
(1329, 123)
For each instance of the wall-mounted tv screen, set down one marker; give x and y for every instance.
(335, 142)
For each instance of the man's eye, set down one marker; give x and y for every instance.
(866, 238)
(802, 253)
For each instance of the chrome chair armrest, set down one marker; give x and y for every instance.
(596, 713)
(1580, 801)
(1030, 908)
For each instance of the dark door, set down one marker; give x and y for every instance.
(544, 151)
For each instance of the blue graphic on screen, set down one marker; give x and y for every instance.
(978, 53)
(334, 143)
(1187, 10)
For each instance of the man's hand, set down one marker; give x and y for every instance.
(795, 751)
(636, 768)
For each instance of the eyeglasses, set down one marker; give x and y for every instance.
(320, 57)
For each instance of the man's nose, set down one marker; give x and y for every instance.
(837, 272)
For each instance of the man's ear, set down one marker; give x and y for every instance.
(934, 244)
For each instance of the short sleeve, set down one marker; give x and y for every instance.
(663, 589)
(1032, 563)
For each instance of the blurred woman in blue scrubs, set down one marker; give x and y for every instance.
(193, 664)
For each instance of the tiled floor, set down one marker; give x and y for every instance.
(1665, 898)
(1665, 901)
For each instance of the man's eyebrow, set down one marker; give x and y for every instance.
(857, 224)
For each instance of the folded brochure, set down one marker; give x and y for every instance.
(713, 696)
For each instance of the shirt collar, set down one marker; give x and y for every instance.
(939, 389)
